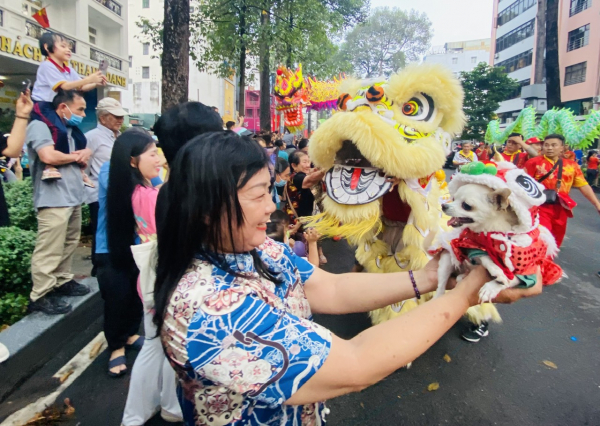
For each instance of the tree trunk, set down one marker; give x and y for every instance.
(540, 43)
(175, 60)
(552, 62)
(290, 59)
(242, 64)
(265, 86)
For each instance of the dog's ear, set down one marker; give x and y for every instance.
(499, 198)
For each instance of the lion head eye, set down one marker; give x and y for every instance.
(420, 107)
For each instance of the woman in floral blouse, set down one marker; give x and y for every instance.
(234, 307)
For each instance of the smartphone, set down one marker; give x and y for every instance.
(26, 86)
(103, 66)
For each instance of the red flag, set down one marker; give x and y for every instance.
(42, 17)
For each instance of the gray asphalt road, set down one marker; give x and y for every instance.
(500, 381)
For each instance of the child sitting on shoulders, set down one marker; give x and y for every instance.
(54, 74)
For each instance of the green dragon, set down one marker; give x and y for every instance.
(562, 121)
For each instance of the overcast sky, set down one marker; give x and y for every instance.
(453, 20)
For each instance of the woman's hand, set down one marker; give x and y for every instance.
(294, 228)
(478, 276)
(312, 236)
(24, 104)
(511, 295)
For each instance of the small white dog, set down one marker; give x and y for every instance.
(481, 209)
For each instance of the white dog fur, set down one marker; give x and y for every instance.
(480, 209)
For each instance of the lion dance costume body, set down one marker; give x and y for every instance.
(400, 129)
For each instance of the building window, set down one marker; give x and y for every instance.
(146, 4)
(579, 6)
(517, 92)
(249, 113)
(473, 59)
(92, 35)
(130, 61)
(145, 72)
(514, 10)
(579, 38)
(146, 48)
(454, 61)
(518, 34)
(517, 62)
(575, 73)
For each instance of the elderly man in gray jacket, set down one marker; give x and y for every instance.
(100, 141)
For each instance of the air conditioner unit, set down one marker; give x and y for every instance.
(497, 56)
(597, 99)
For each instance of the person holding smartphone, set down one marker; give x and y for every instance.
(12, 145)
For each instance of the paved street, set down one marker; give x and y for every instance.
(500, 381)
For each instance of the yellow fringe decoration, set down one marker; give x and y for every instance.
(484, 312)
(358, 224)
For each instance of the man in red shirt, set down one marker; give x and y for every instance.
(512, 151)
(554, 216)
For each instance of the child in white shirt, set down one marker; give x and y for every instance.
(54, 74)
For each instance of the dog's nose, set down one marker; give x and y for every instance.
(444, 207)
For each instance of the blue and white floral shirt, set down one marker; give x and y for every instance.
(242, 345)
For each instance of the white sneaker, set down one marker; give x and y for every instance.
(4, 354)
(564, 275)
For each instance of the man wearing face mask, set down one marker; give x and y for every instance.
(58, 202)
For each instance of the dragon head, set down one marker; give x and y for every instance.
(400, 128)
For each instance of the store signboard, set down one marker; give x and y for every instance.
(24, 49)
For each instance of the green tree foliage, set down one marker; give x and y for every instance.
(387, 41)
(19, 198)
(227, 36)
(485, 87)
(15, 272)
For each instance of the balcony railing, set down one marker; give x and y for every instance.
(577, 43)
(579, 6)
(96, 55)
(34, 30)
(111, 5)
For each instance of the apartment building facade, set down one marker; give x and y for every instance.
(96, 30)
(515, 48)
(460, 56)
(145, 72)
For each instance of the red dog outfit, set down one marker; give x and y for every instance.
(529, 245)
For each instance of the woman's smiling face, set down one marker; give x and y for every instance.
(257, 206)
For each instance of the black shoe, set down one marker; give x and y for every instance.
(72, 288)
(50, 306)
(476, 332)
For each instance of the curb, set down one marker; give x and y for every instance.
(35, 339)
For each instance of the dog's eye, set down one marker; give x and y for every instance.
(466, 207)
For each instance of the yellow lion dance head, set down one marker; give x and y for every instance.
(388, 131)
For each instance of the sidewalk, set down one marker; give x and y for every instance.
(37, 338)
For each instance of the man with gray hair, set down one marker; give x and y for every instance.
(100, 141)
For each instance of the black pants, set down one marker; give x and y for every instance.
(123, 310)
(591, 176)
(94, 225)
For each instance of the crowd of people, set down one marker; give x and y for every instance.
(215, 261)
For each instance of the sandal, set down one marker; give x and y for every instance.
(118, 361)
(51, 173)
(137, 345)
(87, 182)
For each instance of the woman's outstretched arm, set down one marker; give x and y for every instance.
(362, 292)
(355, 364)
